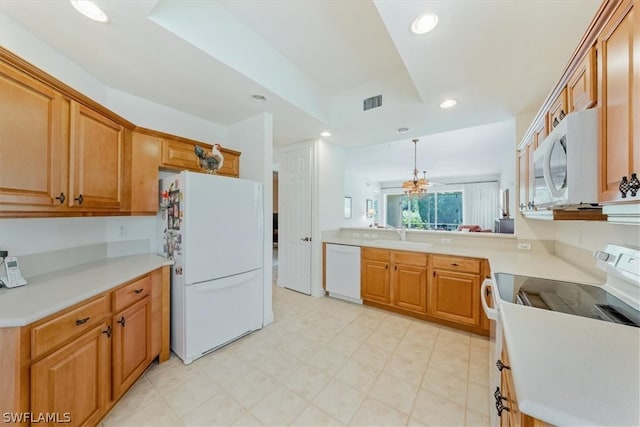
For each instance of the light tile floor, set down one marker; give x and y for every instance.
(321, 362)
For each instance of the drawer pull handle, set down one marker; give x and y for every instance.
(386, 266)
(61, 198)
(107, 332)
(79, 199)
(82, 321)
(121, 321)
(501, 365)
(455, 264)
(138, 291)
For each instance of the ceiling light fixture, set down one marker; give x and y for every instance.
(424, 23)
(258, 98)
(448, 103)
(403, 130)
(90, 10)
(325, 134)
(416, 187)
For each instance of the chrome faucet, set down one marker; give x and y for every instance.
(402, 232)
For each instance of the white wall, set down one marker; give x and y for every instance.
(327, 203)
(159, 117)
(254, 138)
(360, 189)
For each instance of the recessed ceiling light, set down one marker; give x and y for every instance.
(325, 134)
(403, 130)
(258, 98)
(90, 10)
(448, 103)
(424, 23)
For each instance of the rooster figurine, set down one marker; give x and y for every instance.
(213, 163)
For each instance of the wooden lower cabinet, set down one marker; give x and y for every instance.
(506, 402)
(420, 285)
(409, 281)
(455, 297)
(131, 345)
(71, 384)
(74, 365)
(375, 281)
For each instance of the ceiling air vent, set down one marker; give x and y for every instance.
(373, 102)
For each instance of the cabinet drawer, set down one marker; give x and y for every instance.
(128, 294)
(456, 264)
(410, 258)
(48, 335)
(375, 254)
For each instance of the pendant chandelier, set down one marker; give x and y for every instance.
(416, 186)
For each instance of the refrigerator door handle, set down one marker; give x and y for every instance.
(223, 283)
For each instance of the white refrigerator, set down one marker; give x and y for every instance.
(212, 228)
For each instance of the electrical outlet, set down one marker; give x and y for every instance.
(122, 231)
(356, 234)
(524, 246)
(445, 241)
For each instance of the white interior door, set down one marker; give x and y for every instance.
(294, 222)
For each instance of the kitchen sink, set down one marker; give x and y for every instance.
(401, 244)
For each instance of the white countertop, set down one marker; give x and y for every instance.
(573, 371)
(567, 370)
(50, 293)
(526, 263)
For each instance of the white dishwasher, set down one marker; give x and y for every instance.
(343, 272)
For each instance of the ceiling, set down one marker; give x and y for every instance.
(316, 60)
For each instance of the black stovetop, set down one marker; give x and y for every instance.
(566, 297)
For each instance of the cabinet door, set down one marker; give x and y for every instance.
(30, 140)
(582, 85)
(455, 297)
(131, 345)
(410, 287)
(619, 93)
(523, 178)
(557, 110)
(97, 149)
(144, 162)
(375, 281)
(181, 155)
(231, 164)
(73, 381)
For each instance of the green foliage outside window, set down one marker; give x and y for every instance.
(433, 211)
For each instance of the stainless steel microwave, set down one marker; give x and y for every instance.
(565, 164)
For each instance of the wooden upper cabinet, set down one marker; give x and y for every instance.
(557, 110)
(540, 132)
(180, 155)
(231, 164)
(582, 85)
(32, 152)
(143, 180)
(619, 96)
(96, 160)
